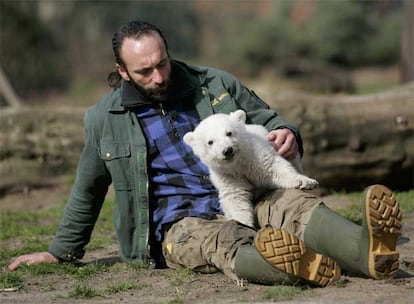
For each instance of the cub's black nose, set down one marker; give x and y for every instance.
(228, 152)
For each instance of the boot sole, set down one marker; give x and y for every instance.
(289, 254)
(383, 218)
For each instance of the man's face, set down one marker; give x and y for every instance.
(147, 66)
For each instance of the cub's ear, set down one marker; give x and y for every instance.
(189, 138)
(238, 116)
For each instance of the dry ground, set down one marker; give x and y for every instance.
(168, 286)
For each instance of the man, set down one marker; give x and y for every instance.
(166, 208)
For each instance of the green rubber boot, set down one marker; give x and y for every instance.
(369, 249)
(279, 258)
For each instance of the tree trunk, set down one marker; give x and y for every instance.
(6, 90)
(353, 141)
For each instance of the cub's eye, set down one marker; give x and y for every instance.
(210, 142)
(229, 134)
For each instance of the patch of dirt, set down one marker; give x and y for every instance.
(166, 285)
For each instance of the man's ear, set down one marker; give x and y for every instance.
(123, 72)
(189, 138)
(238, 116)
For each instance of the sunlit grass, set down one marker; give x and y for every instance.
(32, 231)
(85, 272)
(10, 280)
(354, 211)
(84, 291)
(406, 200)
(180, 276)
(283, 293)
(29, 231)
(120, 287)
(27, 223)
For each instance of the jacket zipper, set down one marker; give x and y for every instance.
(134, 121)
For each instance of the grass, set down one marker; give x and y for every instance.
(29, 231)
(283, 293)
(84, 291)
(181, 276)
(120, 286)
(85, 272)
(24, 232)
(10, 280)
(354, 211)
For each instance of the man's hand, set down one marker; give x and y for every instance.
(33, 258)
(284, 142)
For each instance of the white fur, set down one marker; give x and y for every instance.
(242, 162)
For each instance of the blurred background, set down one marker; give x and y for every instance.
(59, 46)
(59, 53)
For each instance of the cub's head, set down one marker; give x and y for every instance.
(216, 140)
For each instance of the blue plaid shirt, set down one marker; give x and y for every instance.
(179, 181)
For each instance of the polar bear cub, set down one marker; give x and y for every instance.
(242, 163)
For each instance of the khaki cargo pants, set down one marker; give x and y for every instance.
(210, 245)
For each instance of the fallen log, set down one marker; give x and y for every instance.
(350, 141)
(353, 141)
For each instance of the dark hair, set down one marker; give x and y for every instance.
(133, 29)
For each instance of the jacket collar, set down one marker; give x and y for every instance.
(130, 96)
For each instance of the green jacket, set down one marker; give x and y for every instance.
(115, 152)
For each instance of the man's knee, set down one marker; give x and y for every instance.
(288, 209)
(205, 245)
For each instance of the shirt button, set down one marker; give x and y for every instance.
(107, 155)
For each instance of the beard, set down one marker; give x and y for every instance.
(157, 94)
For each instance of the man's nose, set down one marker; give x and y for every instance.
(157, 76)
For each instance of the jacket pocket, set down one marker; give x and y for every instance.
(117, 157)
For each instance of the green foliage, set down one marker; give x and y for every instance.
(119, 287)
(99, 242)
(63, 49)
(180, 276)
(354, 211)
(84, 291)
(342, 283)
(138, 265)
(51, 51)
(263, 42)
(35, 229)
(351, 33)
(86, 271)
(10, 280)
(30, 54)
(340, 28)
(282, 293)
(27, 223)
(41, 269)
(406, 200)
(348, 33)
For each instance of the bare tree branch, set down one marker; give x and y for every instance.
(7, 91)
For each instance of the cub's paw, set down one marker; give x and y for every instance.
(307, 183)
